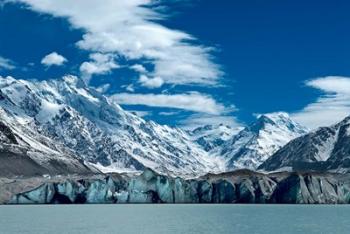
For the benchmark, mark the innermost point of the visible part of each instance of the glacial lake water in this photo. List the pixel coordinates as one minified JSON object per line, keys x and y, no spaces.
{"x":182,"y":219}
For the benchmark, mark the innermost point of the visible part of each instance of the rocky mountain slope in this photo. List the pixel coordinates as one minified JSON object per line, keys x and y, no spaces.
{"x":327,"y":148}
{"x":258,"y":141}
{"x":66,"y":115}
{"x":24,"y":152}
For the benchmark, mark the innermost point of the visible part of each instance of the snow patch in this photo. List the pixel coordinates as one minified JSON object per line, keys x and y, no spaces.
{"x":48,"y":111}
{"x":325,"y":149}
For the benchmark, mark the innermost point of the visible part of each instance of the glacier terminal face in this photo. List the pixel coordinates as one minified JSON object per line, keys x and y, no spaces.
{"x":236,"y":187}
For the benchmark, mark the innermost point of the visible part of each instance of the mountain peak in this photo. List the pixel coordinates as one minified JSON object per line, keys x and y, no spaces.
{"x":74,"y":81}
{"x":345,"y":121}
{"x":279,"y":114}
{"x":258,"y":141}
{"x":280,"y":120}
{"x":322,"y":149}
{"x":275,"y":117}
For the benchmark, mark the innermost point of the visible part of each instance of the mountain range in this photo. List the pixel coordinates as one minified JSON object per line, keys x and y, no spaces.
{"x":62,"y":126}
{"x":84,"y":123}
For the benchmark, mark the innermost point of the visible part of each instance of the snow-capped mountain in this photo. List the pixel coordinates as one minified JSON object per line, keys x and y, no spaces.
{"x":212,"y":136}
{"x":258,"y":141}
{"x":326,"y":148}
{"x":68,"y":114}
{"x":67,"y":122}
{"x":25,"y":152}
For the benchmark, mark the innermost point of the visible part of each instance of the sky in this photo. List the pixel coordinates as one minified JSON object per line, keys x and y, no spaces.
{"x":189,"y":62}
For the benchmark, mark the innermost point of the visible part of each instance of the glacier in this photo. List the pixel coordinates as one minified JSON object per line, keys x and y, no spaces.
{"x":149,"y":187}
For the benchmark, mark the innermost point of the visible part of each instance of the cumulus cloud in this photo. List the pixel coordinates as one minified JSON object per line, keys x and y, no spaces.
{"x":331,"y":107}
{"x":99,"y":64}
{"x":6,"y":64}
{"x":131,"y":29}
{"x":151,"y":83}
{"x":53,"y":59}
{"x":195,"y":102}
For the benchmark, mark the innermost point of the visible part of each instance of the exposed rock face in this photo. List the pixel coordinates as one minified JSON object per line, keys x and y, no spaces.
{"x":325,"y":149}
{"x":24,"y":161}
{"x":150,"y":187}
{"x":24,"y":152}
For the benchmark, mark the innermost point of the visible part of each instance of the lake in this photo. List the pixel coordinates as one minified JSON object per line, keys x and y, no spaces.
{"x":182,"y":219}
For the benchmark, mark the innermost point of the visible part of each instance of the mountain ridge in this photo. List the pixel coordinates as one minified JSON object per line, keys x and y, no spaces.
{"x":326,"y":148}
{"x":100,"y":131}
{"x":65,"y":116}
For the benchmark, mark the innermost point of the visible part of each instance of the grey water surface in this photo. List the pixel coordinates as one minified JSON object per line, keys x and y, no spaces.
{"x":182,"y":219}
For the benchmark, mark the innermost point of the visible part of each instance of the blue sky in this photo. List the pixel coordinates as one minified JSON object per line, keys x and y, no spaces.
{"x":190,"y":62}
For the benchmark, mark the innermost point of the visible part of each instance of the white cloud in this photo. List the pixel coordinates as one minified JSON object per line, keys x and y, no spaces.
{"x":331,"y":107}
{"x":128,"y":28}
{"x":169,"y":113}
{"x":53,"y":59}
{"x":191,"y":101}
{"x":202,"y":119}
{"x":151,"y":83}
{"x":129,"y":88}
{"x":6,"y":64}
{"x":99,"y":64}
{"x":139,"y":68}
